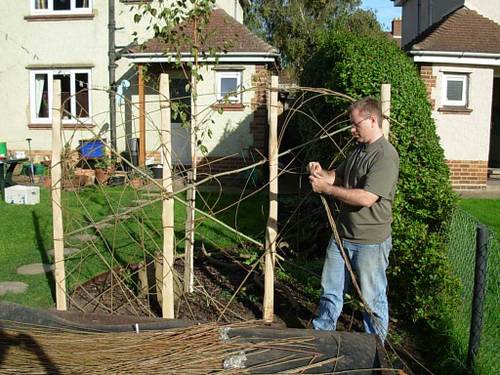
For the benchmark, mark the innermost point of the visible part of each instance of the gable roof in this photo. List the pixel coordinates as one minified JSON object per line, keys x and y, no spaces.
{"x":463,"y":30}
{"x":223,"y":31}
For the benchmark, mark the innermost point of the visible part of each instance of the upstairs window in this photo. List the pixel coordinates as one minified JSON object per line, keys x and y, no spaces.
{"x":229,"y":87}
{"x":455,"y":89}
{"x":61,"y":6}
{"x":74,"y":91}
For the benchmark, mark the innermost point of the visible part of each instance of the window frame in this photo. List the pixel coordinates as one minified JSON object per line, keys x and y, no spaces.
{"x":34,"y":119}
{"x":50,"y":8}
{"x":456,"y":76}
{"x":235,"y":99}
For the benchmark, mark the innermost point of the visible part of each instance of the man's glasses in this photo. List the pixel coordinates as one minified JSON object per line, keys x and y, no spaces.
{"x":356,"y":124}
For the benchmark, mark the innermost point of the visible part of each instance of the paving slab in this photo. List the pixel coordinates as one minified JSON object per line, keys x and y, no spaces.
{"x":123,"y":217}
{"x":492,"y":191}
{"x":83,"y":237}
{"x":35,"y":269}
{"x":67,"y":251}
{"x":140,"y":201}
{"x":12,"y":287}
{"x":103,"y":226}
{"x":150,"y":195}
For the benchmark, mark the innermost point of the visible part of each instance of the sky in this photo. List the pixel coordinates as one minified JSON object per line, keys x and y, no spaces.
{"x":385,"y":11}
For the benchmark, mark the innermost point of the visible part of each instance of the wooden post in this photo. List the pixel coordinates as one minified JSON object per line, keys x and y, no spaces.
{"x":189,"y":242}
{"x":142,"y":274}
{"x":168,"y":204}
{"x":272,"y":223}
{"x":142,"y":117}
{"x":57,"y":218}
{"x":385,"y":99}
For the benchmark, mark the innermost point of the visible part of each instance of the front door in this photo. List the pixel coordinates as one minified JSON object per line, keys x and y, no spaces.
{"x":494,"y":158}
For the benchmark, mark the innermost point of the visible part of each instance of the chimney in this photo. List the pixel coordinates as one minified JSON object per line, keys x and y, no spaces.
{"x":395,"y":33}
{"x":396,"y":28}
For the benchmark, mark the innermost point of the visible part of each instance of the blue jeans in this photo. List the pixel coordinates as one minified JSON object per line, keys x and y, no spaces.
{"x":369,"y":262}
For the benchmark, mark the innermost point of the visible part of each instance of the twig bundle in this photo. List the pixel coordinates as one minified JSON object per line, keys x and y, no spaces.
{"x":194,"y":350}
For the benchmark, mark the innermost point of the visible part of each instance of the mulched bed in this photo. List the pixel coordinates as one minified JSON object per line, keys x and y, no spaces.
{"x":217,"y":277}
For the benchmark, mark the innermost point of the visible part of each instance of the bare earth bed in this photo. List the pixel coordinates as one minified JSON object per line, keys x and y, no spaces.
{"x":216,"y":280}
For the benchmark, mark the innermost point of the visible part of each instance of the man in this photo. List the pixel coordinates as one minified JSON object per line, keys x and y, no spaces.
{"x":365,"y":185}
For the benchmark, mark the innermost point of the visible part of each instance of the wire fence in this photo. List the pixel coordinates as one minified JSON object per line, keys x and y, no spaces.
{"x":464,"y":238}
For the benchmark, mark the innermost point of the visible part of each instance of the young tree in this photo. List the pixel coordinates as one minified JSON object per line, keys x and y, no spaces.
{"x":181,"y":26}
{"x":292,"y":26}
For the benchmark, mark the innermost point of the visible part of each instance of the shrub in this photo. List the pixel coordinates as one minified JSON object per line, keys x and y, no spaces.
{"x":357,"y":66}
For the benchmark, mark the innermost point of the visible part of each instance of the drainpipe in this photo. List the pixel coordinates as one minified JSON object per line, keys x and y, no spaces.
{"x":112,"y":57}
{"x":419,"y":6}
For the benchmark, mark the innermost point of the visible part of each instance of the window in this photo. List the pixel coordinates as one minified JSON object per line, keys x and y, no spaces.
{"x":455,"y":89}
{"x":229,"y":86}
{"x":61,"y":6}
{"x":75,"y":94}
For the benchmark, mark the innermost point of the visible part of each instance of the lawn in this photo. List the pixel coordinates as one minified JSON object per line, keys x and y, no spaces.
{"x":487,"y":211}
{"x":461,"y":255}
{"x":26,"y":234}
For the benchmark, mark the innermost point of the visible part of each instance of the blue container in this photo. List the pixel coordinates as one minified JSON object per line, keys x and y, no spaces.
{"x":91,"y":148}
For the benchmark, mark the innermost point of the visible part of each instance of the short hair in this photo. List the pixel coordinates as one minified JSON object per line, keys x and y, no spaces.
{"x":368,"y":106}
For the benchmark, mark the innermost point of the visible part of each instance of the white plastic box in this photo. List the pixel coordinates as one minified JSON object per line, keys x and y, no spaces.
{"x":20,"y":194}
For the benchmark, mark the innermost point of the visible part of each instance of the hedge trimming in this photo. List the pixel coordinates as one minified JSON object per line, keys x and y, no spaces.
{"x":358,"y":65}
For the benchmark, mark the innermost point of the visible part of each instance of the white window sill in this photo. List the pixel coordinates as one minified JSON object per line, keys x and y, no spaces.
{"x":59,"y":17}
{"x":229,"y":107}
{"x":456,"y":110}
{"x":64,"y":126}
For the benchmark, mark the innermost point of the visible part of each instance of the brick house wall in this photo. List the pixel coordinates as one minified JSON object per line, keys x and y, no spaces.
{"x":258,"y":128}
{"x":429,"y":81}
{"x":468,"y":174}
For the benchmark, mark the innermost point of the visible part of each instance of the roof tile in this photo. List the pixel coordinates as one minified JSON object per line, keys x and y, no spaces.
{"x":223,"y":33}
{"x":463,"y":30}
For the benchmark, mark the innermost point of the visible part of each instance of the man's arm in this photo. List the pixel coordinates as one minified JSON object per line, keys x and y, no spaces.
{"x":353,"y":197}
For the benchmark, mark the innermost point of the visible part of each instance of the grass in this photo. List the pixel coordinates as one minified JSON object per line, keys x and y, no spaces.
{"x":461,"y":255}
{"x":487,"y":211}
{"x":26,"y":233}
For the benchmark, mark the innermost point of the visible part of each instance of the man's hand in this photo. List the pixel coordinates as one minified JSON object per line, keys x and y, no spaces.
{"x":315,"y":170}
{"x":319,"y":184}
{"x":323,"y":182}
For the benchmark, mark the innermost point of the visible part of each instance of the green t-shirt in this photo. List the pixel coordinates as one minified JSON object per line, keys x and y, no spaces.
{"x":372,"y":167}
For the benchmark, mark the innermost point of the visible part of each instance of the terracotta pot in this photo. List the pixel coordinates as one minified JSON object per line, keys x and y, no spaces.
{"x":72,"y":183}
{"x":101,"y":176}
{"x":47,"y":182}
{"x":135,"y":183}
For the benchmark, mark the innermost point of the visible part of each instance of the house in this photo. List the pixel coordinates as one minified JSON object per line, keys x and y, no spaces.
{"x":233,"y":87}
{"x":456,"y":45}
{"x":43,"y":40}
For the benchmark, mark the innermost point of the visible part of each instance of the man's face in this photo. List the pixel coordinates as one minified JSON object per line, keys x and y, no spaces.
{"x":362,"y":126}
